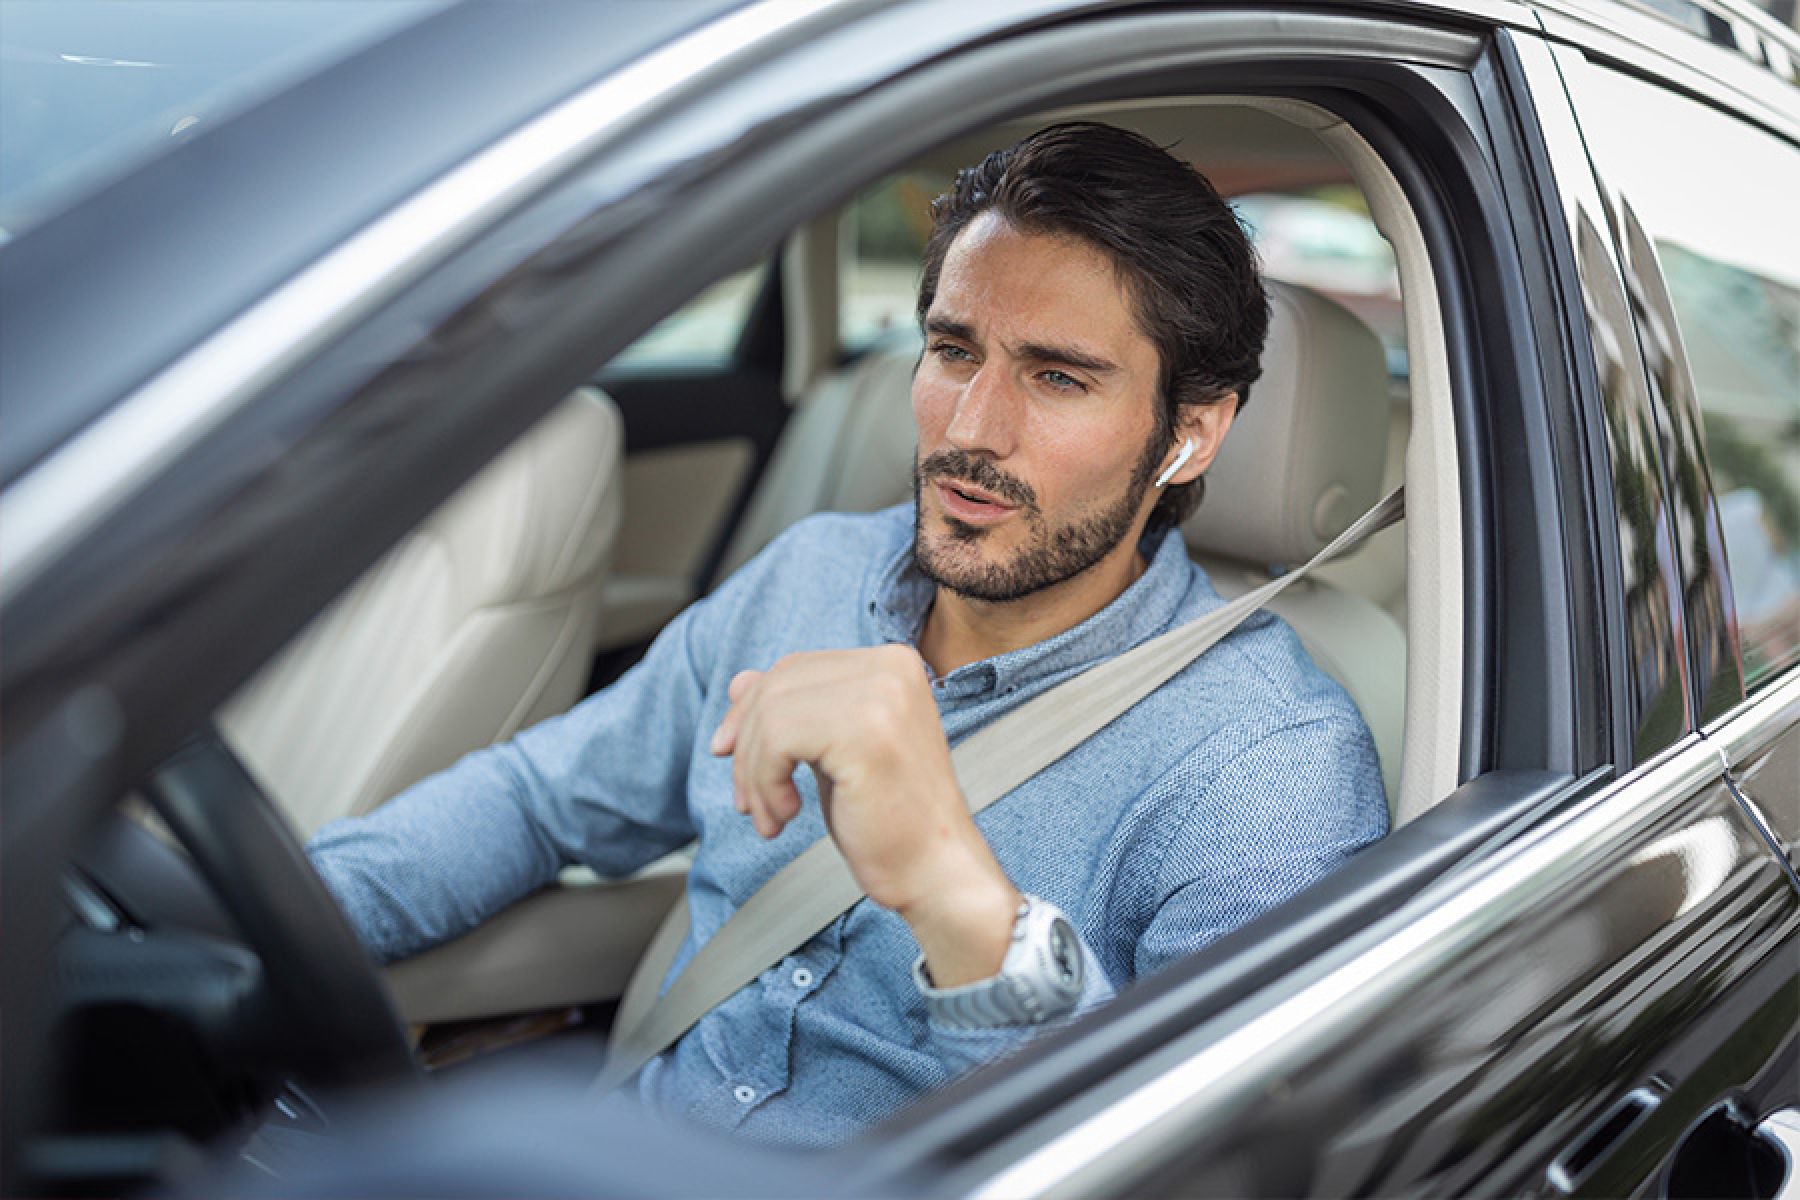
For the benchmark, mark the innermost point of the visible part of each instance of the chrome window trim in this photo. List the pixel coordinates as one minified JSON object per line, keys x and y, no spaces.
{"x":91,"y":475}
{"x":1755,"y":724}
{"x":1102,"y":1142}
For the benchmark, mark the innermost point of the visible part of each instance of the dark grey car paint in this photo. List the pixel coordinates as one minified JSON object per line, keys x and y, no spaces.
{"x":232,"y":220}
{"x":1624,"y":917}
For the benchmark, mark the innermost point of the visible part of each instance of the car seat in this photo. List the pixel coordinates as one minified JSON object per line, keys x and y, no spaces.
{"x":1304,"y":458}
{"x":1308,"y":453}
{"x":481,"y":621}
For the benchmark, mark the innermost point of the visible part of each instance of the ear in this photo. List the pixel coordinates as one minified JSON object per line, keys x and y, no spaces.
{"x":1207,"y":425}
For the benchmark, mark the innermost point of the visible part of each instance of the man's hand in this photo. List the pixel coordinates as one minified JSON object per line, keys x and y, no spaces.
{"x":864,"y":720}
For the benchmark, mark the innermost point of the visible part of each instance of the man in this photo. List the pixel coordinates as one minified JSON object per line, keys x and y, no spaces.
{"x":1093,"y":319}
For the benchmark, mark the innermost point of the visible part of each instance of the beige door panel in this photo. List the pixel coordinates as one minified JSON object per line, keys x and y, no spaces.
{"x":677,"y":501}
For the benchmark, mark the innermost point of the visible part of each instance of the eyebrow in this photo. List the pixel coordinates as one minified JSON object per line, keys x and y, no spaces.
{"x":949,"y":328}
{"x":1032,"y":351}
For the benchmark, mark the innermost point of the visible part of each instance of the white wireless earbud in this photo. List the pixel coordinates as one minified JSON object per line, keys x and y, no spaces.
{"x":1187,"y":452}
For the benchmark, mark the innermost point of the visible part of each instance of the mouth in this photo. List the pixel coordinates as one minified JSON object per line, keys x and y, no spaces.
{"x":971,"y":504}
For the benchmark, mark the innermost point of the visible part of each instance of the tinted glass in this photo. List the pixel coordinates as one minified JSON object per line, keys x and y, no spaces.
{"x":89,"y":87}
{"x":1717,"y":198}
{"x":1785,"y":11}
{"x":1324,"y":239}
{"x":703,"y":332}
{"x":883,"y":238}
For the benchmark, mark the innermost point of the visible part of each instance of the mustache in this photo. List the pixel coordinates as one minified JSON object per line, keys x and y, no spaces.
{"x":959,"y":466}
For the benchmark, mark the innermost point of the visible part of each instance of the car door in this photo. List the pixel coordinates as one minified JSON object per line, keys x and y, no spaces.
{"x":1584,"y":1003}
{"x":1715,"y":278}
{"x":1469,"y":1003}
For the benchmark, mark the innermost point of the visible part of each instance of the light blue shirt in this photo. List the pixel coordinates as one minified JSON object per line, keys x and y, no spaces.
{"x":1232,"y":787}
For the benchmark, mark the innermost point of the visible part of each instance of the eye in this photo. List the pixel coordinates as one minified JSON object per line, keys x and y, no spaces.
{"x":1062,"y":381}
{"x":951,"y":352}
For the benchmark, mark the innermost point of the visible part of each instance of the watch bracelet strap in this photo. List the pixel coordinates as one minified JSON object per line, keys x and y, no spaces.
{"x":987,"y":1003}
{"x":816,"y":886}
{"x":1006,"y":998}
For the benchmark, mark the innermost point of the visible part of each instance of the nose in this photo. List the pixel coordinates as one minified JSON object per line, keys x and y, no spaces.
{"x":986,"y":418}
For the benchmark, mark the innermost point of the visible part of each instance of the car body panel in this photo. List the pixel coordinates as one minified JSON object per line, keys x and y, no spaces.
{"x":1617,"y":923}
{"x":1585,"y":943}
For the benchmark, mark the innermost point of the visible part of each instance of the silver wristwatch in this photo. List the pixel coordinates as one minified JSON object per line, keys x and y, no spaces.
{"x":1039,"y":980}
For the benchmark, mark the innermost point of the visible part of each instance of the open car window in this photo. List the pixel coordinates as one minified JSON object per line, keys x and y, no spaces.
{"x":1353,"y":624}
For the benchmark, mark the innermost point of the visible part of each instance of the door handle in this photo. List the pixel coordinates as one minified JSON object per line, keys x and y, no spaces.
{"x":1575,"y":1164}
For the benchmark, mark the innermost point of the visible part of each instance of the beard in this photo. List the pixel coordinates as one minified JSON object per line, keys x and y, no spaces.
{"x":1052,"y":553}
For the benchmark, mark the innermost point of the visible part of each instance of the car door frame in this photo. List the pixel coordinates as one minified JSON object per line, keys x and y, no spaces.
{"x":1108,"y":1141}
{"x":223,"y":569}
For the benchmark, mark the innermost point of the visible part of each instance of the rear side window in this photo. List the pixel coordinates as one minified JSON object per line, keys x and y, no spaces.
{"x":881,"y":239}
{"x":1716,"y":196}
{"x":1324,"y":239}
{"x":703,"y":333}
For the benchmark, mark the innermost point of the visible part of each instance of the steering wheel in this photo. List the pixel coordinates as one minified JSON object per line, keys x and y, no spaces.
{"x":345,"y":1028}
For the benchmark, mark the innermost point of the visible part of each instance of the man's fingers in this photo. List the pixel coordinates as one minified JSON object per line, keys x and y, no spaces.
{"x":767,"y":793}
{"x":724,"y":738}
{"x":771,"y":806}
{"x":778,"y":720}
{"x":762,"y":776}
{"x":772,"y":809}
{"x":741,"y":683}
{"x":784,"y":801}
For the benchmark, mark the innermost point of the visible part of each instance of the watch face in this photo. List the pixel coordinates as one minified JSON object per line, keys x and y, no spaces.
{"x":1063,"y":952}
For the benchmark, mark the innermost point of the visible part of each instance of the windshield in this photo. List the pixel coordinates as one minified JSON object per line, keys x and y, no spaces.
{"x":89,"y":88}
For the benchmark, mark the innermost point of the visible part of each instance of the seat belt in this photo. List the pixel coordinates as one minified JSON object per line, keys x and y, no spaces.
{"x":816,"y":887}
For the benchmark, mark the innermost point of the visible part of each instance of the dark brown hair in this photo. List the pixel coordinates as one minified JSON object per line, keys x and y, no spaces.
{"x":1186,"y":260}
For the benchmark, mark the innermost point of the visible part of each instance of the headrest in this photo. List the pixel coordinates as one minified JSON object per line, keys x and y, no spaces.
{"x":542,"y":515}
{"x":1304,"y":457}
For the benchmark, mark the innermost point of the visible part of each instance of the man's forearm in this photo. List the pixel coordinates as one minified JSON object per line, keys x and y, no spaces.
{"x":435,"y":861}
{"x":964,"y":922}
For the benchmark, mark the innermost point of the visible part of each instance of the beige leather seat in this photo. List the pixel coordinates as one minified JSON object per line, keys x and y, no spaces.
{"x":480,"y":622}
{"x":1304,"y":458}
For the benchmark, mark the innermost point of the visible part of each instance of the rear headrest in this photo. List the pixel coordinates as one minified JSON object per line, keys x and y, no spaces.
{"x":1304,"y":458}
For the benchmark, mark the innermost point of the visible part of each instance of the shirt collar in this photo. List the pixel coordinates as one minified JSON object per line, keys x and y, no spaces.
{"x":901,"y":597}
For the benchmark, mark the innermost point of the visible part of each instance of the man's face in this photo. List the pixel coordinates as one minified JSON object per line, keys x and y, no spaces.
{"x":1035,"y":408}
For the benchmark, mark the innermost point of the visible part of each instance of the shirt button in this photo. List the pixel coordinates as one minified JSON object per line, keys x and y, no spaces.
{"x":802,"y":977}
{"x":744,"y":1093}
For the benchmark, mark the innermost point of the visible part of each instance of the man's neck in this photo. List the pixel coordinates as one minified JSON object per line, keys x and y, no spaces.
{"x":959,"y":630}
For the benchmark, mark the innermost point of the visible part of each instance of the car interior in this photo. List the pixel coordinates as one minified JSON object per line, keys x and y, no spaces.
{"x":551,"y":570}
